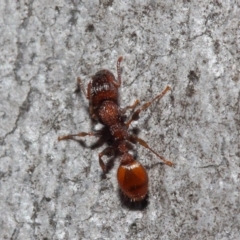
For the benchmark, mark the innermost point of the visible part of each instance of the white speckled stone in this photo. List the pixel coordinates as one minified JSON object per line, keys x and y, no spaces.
{"x":55,"y":190}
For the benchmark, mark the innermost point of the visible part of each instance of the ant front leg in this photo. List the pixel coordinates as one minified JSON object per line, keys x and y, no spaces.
{"x":130,"y":107}
{"x":134,"y":139}
{"x":106,"y":151}
{"x":135,"y":115}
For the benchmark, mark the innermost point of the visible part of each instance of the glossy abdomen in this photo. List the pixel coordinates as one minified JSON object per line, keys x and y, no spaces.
{"x":133,"y":180}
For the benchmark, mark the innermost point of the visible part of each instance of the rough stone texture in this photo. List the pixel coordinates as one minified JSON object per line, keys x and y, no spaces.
{"x":55,"y":190}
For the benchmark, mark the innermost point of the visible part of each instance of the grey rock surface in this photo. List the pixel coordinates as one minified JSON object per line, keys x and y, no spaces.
{"x":56,"y":190}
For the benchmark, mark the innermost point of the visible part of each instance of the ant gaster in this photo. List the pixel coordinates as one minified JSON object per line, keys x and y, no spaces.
{"x":102,"y":94}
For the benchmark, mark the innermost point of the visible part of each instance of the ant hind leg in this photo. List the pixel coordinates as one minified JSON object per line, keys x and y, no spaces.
{"x":106,"y":151}
{"x":135,"y":139}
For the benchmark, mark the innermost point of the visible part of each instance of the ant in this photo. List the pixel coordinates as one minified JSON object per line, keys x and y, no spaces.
{"x":102,"y":94}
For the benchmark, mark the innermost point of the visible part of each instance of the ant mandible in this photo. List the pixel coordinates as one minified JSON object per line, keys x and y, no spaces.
{"x":102,"y":94}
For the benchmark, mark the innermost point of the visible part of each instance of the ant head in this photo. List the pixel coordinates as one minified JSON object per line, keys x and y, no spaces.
{"x":103,"y":76}
{"x":103,"y":87}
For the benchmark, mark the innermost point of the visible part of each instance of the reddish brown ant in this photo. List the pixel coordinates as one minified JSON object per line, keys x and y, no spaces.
{"x":102,"y":93}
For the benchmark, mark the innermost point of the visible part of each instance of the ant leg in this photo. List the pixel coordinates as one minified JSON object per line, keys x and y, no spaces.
{"x":106,"y":151}
{"x":135,"y":115}
{"x":135,"y":139}
{"x":81,"y":134}
{"x":80,"y":86}
{"x":131,"y":106}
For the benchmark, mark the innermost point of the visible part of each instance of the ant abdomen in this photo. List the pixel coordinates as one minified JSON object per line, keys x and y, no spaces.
{"x":132,"y":178}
